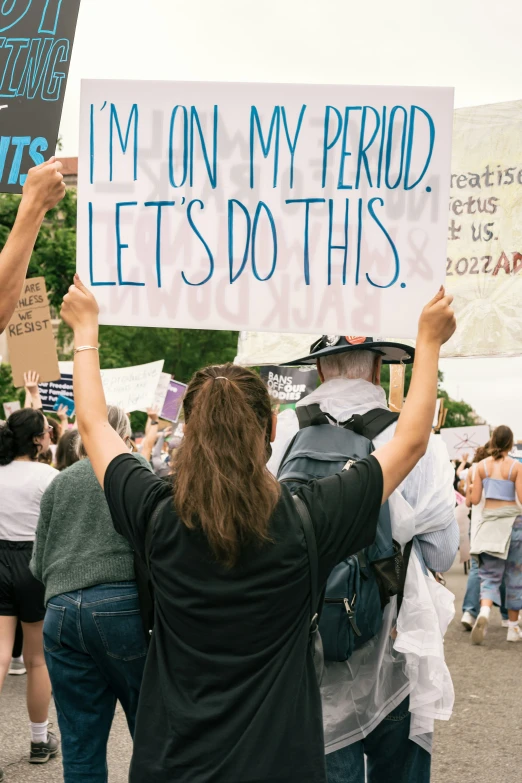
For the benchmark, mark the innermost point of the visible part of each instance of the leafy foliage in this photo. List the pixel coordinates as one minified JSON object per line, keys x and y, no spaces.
{"x":8,"y":392}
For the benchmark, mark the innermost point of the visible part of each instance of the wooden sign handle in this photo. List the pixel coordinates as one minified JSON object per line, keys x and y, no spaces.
{"x":397,"y":378}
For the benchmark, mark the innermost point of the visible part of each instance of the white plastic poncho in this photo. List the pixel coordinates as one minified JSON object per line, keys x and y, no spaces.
{"x":359,"y":693}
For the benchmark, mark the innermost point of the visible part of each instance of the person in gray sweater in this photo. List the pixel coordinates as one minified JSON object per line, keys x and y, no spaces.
{"x":95,"y":645}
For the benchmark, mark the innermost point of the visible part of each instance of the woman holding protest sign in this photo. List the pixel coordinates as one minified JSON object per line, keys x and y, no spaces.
{"x":23,"y":480}
{"x":230,"y":691}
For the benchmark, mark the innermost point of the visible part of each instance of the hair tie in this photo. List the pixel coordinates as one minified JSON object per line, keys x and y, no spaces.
{"x":221,"y":378}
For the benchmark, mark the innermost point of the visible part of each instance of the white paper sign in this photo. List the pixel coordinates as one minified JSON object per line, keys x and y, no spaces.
{"x":270,"y":207}
{"x":132,"y":388}
{"x":465,"y":440}
{"x":161,"y":392}
{"x":11,"y":407}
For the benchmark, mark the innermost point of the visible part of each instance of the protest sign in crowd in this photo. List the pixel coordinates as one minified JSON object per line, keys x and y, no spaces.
{"x":257,"y":575}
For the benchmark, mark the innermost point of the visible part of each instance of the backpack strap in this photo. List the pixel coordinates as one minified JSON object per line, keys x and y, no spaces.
{"x":311,"y":415}
{"x":311,"y":546}
{"x":151,"y":527}
{"x":372,"y":423}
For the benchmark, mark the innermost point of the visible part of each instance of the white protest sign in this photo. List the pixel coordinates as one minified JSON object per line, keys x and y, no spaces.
{"x":161,"y":392}
{"x":484,"y":269}
{"x":271,"y":207}
{"x":11,"y":407}
{"x":132,"y":388}
{"x":465,"y":440}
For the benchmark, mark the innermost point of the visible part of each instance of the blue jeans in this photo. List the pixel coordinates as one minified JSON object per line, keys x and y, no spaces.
{"x":471,"y":601}
{"x":95,"y":651}
{"x":390,"y":755}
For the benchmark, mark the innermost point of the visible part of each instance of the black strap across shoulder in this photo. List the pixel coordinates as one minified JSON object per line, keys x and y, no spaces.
{"x":370,"y":425}
{"x":310,"y":416}
{"x":311,"y":545}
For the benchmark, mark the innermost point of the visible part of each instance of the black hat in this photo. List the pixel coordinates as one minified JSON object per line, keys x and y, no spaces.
{"x":330,"y":344}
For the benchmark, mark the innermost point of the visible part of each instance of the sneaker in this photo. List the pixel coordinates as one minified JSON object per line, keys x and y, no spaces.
{"x":480,"y":629}
{"x":514,"y":634}
{"x":468,"y":621}
{"x":43,"y":751}
{"x":505,"y":623}
{"x":16,"y":667}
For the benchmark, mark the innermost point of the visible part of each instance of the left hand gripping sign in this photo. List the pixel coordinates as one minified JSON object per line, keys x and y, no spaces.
{"x":269,"y":207}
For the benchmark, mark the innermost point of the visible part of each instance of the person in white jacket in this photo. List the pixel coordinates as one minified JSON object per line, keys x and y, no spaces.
{"x":379,"y":706}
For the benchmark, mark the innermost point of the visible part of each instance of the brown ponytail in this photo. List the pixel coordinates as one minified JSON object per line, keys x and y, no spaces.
{"x":501,"y":441}
{"x":221,"y":480}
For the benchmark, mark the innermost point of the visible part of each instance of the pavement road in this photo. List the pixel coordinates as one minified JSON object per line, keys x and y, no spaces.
{"x":481,"y":742}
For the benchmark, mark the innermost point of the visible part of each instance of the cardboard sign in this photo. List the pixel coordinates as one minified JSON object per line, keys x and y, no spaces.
{"x":277,"y":207}
{"x":173,"y":401}
{"x":484,"y":264}
{"x":66,"y":402}
{"x":11,"y":407}
{"x":36,"y":40}
{"x":288,"y":385}
{"x":49,"y":392}
{"x":465,"y":440}
{"x":132,"y":388}
{"x":30,"y":338}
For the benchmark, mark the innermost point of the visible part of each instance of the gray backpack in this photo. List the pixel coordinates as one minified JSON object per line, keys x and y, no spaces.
{"x":359,"y":588}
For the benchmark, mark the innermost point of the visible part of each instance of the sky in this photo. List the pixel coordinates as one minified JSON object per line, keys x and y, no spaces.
{"x":407,"y":42}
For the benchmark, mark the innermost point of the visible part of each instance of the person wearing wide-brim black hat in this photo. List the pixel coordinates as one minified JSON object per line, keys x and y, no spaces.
{"x":366,"y":705}
{"x":330,"y":345}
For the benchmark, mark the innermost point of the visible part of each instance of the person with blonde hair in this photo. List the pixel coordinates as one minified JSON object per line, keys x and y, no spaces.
{"x":497,"y":541}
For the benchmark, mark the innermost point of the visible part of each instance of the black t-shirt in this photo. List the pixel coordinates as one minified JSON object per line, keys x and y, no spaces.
{"x":229,"y":693}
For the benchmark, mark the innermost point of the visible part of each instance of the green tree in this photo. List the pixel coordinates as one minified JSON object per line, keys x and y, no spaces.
{"x":8,"y":392}
{"x":460,"y":414}
{"x":184,"y":350}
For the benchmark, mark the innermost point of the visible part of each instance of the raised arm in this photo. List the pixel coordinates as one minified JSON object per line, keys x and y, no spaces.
{"x":43,"y":189}
{"x":518,"y":481}
{"x":102,"y":443}
{"x":409,"y":444}
{"x":477,"y":487}
{"x":31,"y":381}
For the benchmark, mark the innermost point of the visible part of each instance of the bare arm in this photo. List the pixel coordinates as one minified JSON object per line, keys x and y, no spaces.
{"x":43,"y":189}
{"x":409,"y":444}
{"x":149,"y":441}
{"x":31,"y":381}
{"x":463,"y":464}
{"x":518,"y":481}
{"x":476,"y":489}
{"x":102,"y":443}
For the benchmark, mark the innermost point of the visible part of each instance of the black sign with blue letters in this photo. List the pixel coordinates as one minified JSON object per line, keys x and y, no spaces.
{"x":36,"y":41}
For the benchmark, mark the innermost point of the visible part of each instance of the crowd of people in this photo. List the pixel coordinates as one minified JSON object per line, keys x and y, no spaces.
{"x":265,"y":606}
